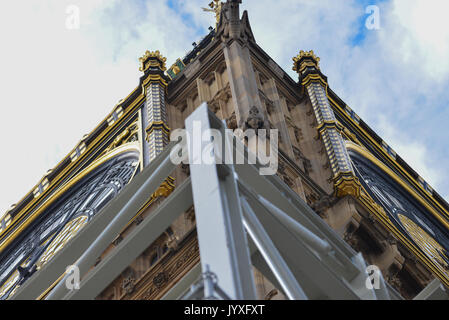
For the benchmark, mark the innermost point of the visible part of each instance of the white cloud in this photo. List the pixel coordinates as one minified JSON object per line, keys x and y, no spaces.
{"x":415,"y":152}
{"x":58,"y":84}
{"x":425,"y":41}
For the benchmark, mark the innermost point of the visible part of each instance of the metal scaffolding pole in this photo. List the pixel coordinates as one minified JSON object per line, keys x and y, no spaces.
{"x":221,"y":235}
{"x":308,"y":236}
{"x":435,"y":290}
{"x":271,"y":255}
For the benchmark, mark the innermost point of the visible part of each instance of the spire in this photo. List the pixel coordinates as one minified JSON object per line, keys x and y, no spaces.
{"x":307,"y":65}
{"x":154,"y":113}
{"x":234,"y":17}
{"x":230,"y":25}
{"x":155,"y":82}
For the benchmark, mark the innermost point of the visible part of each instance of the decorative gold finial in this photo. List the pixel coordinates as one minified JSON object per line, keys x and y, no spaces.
{"x":215,"y":6}
{"x":152,"y":59}
{"x":305,"y":59}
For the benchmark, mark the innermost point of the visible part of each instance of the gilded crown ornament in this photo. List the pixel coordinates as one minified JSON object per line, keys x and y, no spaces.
{"x":152,"y":59}
{"x":304,"y":59}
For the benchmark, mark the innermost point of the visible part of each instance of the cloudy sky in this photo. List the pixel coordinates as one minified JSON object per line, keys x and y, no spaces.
{"x":58,"y":82}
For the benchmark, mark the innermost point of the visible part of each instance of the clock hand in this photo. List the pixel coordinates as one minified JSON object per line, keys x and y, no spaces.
{"x":17,"y":282}
{"x":368,"y":183}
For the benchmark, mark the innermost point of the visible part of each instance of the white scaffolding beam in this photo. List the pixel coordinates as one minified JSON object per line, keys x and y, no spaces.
{"x":221,"y":235}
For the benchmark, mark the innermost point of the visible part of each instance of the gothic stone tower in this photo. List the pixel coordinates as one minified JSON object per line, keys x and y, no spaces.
{"x":342,"y":169}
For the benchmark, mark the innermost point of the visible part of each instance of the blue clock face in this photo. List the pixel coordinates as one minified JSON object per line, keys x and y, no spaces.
{"x":62,"y":220}
{"x":405,"y":212}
